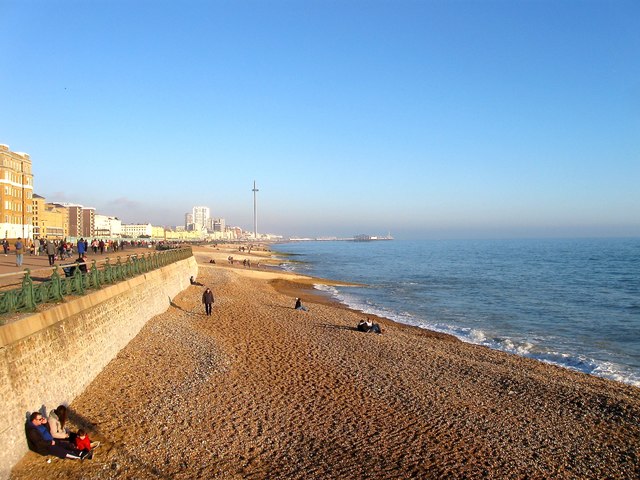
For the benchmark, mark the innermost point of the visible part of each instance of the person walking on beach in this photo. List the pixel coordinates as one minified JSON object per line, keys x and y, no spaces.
{"x":207,"y":299}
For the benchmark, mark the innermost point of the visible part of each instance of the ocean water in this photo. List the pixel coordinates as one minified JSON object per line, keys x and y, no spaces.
{"x":574,"y":303}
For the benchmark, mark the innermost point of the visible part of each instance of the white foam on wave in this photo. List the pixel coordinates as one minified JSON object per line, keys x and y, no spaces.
{"x":360,"y":304}
{"x":522,"y":347}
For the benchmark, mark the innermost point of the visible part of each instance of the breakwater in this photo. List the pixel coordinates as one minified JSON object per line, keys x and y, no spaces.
{"x":48,"y":358}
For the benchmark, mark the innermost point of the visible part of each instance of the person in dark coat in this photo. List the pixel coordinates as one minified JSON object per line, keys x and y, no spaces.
{"x":207,"y":299}
{"x":51,"y":252}
{"x":300,"y":306}
{"x":40,"y":440}
{"x":368,"y":327}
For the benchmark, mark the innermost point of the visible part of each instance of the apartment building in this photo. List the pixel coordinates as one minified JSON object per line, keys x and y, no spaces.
{"x":135,"y":230}
{"x":50,"y":220}
{"x":16,"y":194}
{"x":201,"y":217}
{"x":75,"y":219}
{"x":106,"y":226}
{"x":88,"y":221}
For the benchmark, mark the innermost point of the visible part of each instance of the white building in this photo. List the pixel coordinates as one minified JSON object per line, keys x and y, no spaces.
{"x":135,"y":230}
{"x":106,"y":226}
{"x":201,"y":217}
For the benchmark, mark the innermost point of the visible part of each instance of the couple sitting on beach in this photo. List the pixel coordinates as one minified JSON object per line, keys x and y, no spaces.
{"x":368,"y":327}
{"x":50,"y":437}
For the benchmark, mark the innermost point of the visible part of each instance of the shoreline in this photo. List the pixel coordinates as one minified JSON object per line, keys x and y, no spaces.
{"x":263,"y":391}
{"x":596,"y":367}
{"x":298,"y":285}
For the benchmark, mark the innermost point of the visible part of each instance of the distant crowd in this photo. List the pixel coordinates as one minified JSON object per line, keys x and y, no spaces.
{"x":64,"y":250}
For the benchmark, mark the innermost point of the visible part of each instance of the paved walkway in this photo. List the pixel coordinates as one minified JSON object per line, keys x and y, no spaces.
{"x":11,"y":275}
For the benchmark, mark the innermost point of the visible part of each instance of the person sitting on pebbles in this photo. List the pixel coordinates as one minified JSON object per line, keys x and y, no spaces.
{"x":368,"y":327}
{"x":299,"y":306}
{"x":84,"y":445}
{"x":39,"y":439}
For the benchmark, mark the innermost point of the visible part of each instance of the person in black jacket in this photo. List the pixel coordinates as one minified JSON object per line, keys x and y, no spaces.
{"x":207,"y":299}
{"x":40,"y":440}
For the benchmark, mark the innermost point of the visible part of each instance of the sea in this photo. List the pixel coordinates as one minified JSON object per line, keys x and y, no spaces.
{"x":569,"y":302}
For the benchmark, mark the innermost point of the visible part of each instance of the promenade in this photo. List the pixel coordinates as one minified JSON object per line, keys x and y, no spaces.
{"x":11,"y":275}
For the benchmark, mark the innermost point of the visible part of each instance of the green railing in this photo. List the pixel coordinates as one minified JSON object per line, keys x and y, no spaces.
{"x":26,"y":298}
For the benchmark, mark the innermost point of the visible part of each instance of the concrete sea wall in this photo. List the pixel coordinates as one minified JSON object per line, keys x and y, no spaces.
{"x":50,"y":357}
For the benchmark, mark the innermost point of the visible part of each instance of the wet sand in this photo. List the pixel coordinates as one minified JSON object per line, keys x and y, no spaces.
{"x":262,"y":391}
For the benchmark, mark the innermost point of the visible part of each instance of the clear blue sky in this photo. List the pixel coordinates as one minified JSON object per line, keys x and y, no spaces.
{"x":422,"y":118}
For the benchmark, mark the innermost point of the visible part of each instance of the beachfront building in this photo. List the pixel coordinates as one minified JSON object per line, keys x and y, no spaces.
{"x":55,"y":222}
{"x":201,"y":217}
{"x":50,"y":220}
{"x":37,"y":206}
{"x":75,"y":218}
{"x":157,"y":233}
{"x":106,"y":226}
{"x":135,"y":230}
{"x":88,"y":221}
{"x":188,"y":221}
{"x":237,"y":232}
{"x":217,"y":225}
{"x":182,"y":235}
{"x":81,"y":219}
{"x":16,"y":194}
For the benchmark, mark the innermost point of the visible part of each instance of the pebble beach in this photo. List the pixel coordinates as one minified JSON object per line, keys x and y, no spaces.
{"x":262,"y":391}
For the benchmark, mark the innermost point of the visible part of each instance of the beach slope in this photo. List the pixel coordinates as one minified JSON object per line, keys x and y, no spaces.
{"x":262,"y":391}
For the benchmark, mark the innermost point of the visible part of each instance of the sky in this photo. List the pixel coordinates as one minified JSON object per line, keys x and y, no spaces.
{"x":423,"y":119}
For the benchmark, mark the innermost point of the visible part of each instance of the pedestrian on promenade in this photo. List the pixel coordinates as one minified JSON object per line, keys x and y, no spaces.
{"x":36,"y":247}
{"x":207,"y":299}
{"x":19,"y":251}
{"x":51,"y":252}
{"x":5,"y":246}
{"x":81,"y":247}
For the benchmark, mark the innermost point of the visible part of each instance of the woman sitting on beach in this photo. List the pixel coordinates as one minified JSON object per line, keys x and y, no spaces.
{"x":57,"y":419}
{"x":299,"y":305}
{"x":368,"y":327}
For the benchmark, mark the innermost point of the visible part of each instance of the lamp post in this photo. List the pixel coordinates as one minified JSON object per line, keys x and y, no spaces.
{"x":255,"y":214}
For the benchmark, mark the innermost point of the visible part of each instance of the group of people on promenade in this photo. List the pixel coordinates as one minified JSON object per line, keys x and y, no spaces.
{"x":59,"y":250}
{"x":49,"y":436}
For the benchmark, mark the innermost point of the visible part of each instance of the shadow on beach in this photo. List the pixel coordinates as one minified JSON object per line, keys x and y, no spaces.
{"x":338,"y":327}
